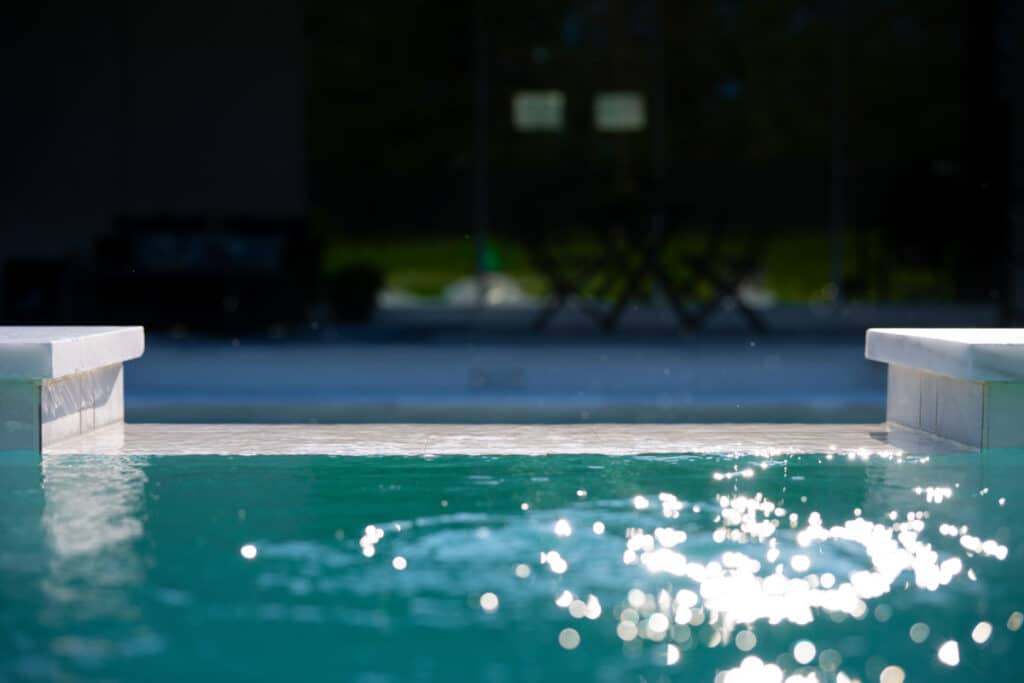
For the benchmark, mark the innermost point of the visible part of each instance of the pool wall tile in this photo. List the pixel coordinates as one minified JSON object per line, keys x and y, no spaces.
{"x":930,"y":402}
{"x":903,"y":404}
{"x":950,"y":408}
{"x":80,"y":403}
{"x":1004,"y":415}
{"x":959,"y":409}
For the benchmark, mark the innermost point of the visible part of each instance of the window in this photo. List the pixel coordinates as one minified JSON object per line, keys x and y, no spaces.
{"x":538,"y":110}
{"x":620,"y":112}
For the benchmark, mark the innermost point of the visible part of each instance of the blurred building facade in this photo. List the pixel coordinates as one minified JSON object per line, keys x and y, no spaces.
{"x":114,"y":108}
{"x":890,"y":132}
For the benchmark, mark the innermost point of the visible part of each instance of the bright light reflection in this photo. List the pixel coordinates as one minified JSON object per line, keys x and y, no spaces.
{"x":949,"y":653}
{"x":555,"y":562}
{"x":800,"y":563}
{"x":489,"y":602}
{"x":745,"y":641}
{"x":569,"y":638}
{"x":753,"y":670}
{"x":733,"y":590}
{"x":248,"y":551}
{"x":892,"y":674}
{"x":1015,"y":621}
{"x":657,"y":623}
{"x":804,"y":652}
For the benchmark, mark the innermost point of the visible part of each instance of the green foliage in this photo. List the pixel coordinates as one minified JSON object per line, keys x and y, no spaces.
{"x":795,"y":267}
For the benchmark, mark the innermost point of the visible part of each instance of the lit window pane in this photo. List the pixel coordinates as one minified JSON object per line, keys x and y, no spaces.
{"x":538,"y":110}
{"x":620,"y":112}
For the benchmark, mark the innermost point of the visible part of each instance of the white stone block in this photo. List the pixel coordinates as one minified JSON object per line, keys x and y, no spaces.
{"x":959,"y":411}
{"x":1004,"y":413}
{"x":903,"y":398}
{"x":966,"y":385}
{"x":58,"y":382}
{"x":980,"y":354}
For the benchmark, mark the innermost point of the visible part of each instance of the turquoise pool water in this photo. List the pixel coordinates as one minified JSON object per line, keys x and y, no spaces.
{"x":373,"y":569}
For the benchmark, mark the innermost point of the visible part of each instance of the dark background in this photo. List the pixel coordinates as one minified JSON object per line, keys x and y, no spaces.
{"x":261,"y":167}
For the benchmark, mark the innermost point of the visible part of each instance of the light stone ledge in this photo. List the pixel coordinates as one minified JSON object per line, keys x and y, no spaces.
{"x":61,"y":382}
{"x":964,"y":385}
{"x":368,"y":439}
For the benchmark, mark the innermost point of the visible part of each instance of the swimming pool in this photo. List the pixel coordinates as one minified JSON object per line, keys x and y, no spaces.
{"x":704,"y":567}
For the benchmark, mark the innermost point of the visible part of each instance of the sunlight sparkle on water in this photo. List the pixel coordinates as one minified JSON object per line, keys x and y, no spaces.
{"x":774,"y":579}
{"x":555,"y":562}
{"x":892,"y":674}
{"x":1015,"y":621}
{"x":489,"y":602}
{"x":745,"y":641}
{"x":949,"y":653}
{"x":919,"y":632}
{"x":804,"y":652}
{"x":569,"y":638}
{"x":626,"y":630}
{"x":752,"y":670}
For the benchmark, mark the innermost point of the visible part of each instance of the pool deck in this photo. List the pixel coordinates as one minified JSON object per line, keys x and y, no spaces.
{"x":503,"y":439}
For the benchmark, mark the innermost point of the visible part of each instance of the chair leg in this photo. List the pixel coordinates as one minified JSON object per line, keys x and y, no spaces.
{"x":553,"y":305}
{"x":686,"y":320}
{"x":611,"y":319}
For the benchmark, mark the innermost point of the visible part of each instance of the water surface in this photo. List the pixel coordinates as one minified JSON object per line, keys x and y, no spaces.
{"x":511,"y":568}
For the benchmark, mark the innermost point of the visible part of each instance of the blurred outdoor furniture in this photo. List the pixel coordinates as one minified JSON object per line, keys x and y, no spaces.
{"x":633,"y":234}
{"x":547,"y":220}
{"x":221,"y":275}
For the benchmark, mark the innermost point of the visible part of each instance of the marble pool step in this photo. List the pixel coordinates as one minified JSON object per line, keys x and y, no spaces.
{"x":59,"y":382}
{"x":961,"y":384}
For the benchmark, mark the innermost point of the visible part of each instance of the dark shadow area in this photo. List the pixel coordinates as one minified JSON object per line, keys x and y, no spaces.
{"x":651,"y":167}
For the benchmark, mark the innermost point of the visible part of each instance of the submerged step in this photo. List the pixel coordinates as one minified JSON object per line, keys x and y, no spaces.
{"x":961,"y":384}
{"x":59,"y":382}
